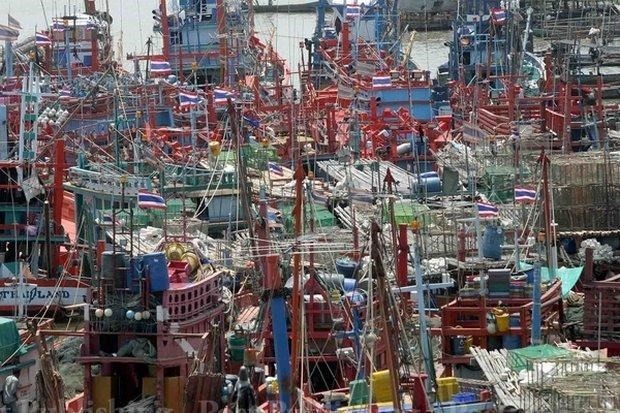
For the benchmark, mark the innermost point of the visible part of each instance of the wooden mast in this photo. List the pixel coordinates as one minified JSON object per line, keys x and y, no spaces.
{"x":297,"y":214}
{"x":550,"y":239}
{"x":389,"y":328}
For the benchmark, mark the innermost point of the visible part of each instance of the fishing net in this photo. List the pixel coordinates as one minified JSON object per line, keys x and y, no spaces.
{"x":71,"y":372}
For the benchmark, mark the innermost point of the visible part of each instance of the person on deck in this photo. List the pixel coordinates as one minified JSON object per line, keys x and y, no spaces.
{"x":9,"y":392}
{"x":243,"y":397}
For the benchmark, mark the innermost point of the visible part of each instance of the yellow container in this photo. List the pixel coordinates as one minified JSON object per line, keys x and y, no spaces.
{"x":502,"y":321}
{"x":215,"y":148}
{"x":103,"y":388}
{"x":173,"y":394}
{"x":382,"y":386}
{"x":149,"y":386}
{"x":447,"y":387}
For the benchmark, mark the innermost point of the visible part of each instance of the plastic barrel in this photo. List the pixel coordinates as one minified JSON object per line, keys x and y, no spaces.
{"x":347,"y":267}
{"x":510,"y":342}
{"x":494,"y":342}
{"x":569,"y":245}
{"x":458,"y":345}
{"x":332,"y":281}
{"x":349,"y":285}
{"x":492,"y":242}
{"x":431,"y":184}
{"x":356,"y":297}
{"x":156,"y":267}
{"x":134,"y":273}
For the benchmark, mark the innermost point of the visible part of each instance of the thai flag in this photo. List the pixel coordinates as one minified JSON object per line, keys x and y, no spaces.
{"x":8,"y":33}
{"x":381,"y":81}
{"x":499,"y":15}
{"x":150,"y":200}
{"x":525,"y":195}
{"x":43,"y":40}
{"x":188,"y":99}
{"x":487,"y":210}
{"x":14,"y":23}
{"x":221,"y":96}
{"x":352,"y":11}
{"x":58,"y":26}
{"x":160,"y":66}
{"x":275,"y":168}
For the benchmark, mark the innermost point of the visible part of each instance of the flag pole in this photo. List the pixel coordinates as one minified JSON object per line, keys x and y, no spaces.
{"x":8,"y":51}
{"x":8,"y":58}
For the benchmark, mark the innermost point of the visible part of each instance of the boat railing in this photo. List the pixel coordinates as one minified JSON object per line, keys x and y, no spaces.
{"x":320,"y":313}
{"x":107,"y":181}
{"x":196,"y":177}
{"x":186,"y":302}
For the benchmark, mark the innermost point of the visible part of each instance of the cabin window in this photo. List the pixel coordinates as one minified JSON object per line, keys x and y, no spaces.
{"x":176,"y":37}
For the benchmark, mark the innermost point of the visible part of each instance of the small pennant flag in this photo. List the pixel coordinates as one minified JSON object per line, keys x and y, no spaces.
{"x":275,"y":168}
{"x":381,"y":81}
{"x":525,"y":195}
{"x":160,"y":67}
{"x":498,"y":16}
{"x":14,"y":23}
{"x":43,"y":40}
{"x":221,"y":96}
{"x":150,"y":200}
{"x":188,"y":99}
{"x":487,"y":210}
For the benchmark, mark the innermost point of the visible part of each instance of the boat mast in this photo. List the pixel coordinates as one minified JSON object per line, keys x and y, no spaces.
{"x":550,"y":237}
{"x":424,"y":339}
{"x":389,"y":331}
{"x":245,"y":195}
{"x":165,"y":31}
{"x":297,"y":293}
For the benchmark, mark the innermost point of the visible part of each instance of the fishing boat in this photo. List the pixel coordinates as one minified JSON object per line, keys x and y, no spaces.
{"x":288,"y":7}
{"x":75,"y":44}
{"x":21,"y":349}
{"x":39,"y":262}
{"x":356,"y":80}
